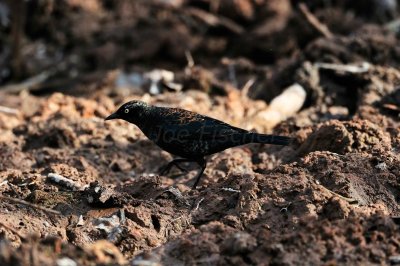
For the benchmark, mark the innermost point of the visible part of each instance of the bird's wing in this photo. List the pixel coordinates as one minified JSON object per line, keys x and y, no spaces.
{"x":193,"y":126}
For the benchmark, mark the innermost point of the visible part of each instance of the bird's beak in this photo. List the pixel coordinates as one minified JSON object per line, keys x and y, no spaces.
{"x":112,"y":116}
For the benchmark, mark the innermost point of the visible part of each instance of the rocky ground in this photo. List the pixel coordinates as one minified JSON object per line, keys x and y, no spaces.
{"x":76,"y":190}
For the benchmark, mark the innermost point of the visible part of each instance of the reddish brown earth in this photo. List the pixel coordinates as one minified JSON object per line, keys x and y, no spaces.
{"x":330,"y":198}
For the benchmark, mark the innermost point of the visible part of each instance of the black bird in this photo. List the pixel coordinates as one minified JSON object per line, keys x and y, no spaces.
{"x":187,"y":134}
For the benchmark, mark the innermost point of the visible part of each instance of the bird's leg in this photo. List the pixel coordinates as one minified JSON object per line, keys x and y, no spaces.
{"x":180,"y":167}
{"x":203,"y":164}
{"x":165,"y":170}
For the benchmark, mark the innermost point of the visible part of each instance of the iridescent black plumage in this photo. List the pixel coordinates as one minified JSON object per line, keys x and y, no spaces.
{"x":187,"y":134}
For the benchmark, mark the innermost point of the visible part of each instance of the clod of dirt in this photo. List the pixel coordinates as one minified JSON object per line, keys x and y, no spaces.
{"x":335,"y":209}
{"x":102,"y":196}
{"x":58,"y":134}
{"x":368,"y":44}
{"x":13,"y":158}
{"x":105,"y":253}
{"x":391,"y":103}
{"x":238,"y":243}
{"x":356,"y":176}
{"x":344,"y":137}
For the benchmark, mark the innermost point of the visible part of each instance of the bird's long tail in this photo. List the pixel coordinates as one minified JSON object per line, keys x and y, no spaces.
{"x":268,"y":139}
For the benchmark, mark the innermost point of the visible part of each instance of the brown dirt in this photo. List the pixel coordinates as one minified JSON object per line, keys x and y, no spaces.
{"x":330,"y":198}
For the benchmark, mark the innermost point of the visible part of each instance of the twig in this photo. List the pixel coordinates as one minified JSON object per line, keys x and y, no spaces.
{"x":178,"y":195}
{"x":19,"y":201}
{"x":314,"y":21}
{"x":355,"y":69}
{"x":177,"y":218}
{"x":13,"y":230}
{"x":122,"y":216}
{"x":246,"y":88}
{"x":232,"y":75}
{"x":8,"y":110}
{"x":189,"y":59}
{"x":230,"y":189}
{"x":29,"y":84}
{"x":198,"y":204}
{"x":285,"y":209}
{"x":63,"y":181}
{"x":349,"y":200}
{"x":214,"y":21}
{"x":34,"y":83}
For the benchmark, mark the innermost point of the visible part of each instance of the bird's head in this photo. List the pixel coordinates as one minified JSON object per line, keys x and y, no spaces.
{"x":130,"y":111}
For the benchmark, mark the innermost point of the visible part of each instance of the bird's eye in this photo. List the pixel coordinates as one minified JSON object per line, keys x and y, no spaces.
{"x":126,"y":111}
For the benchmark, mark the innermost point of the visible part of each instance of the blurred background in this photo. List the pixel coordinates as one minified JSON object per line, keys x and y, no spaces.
{"x":63,"y":45}
{"x":324,"y":72}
